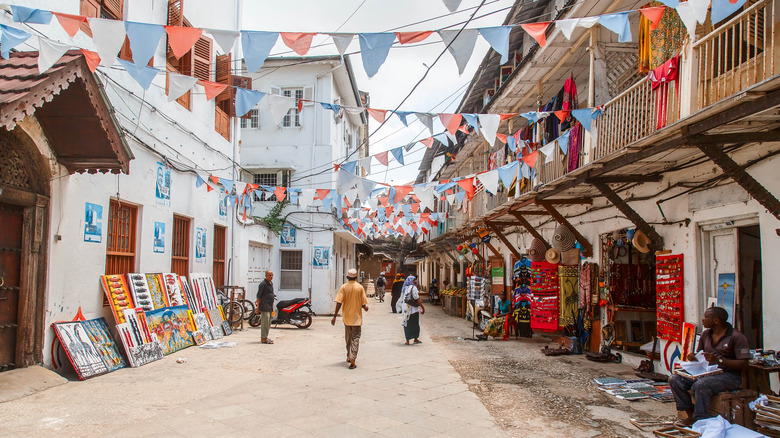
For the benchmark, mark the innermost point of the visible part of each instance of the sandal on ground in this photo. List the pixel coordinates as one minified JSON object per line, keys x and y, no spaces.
{"x":417,"y":341}
{"x":267,"y":341}
{"x":352,"y":365}
{"x":407,"y":342}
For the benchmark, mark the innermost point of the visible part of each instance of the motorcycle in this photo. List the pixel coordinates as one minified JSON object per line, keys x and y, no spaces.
{"x":296,"y":312}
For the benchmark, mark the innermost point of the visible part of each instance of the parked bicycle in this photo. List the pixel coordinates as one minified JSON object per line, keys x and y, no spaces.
{"x":236,"y":310}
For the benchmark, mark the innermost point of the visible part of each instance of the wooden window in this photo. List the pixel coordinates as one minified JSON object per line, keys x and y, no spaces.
{"x":111,"y":9}
{"x":292,"y":270}
{"x":218,"y":273}
{"x":180,"y":258}
{"x":120,"y":239}
{"x":196,"y":62}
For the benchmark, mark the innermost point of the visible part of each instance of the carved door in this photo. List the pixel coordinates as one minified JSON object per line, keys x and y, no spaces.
{"x":12,"y":219}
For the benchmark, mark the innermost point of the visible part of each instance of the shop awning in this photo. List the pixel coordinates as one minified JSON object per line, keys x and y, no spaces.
{"x":70,"y":107}
{"x":348,"y":236}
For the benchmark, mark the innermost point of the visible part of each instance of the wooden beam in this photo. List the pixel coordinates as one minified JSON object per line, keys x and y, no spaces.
{"x":733,"y":114}
{"x":737,"y":137}
{"x":630,"y":213}
{"x":501,"y":223}
{"x":527,"y":225}
{"x":744,"y":179}
{"x":493,"y":249}
{"x":503,"y":239}
{"x":533,"y":213}
{"x":625,"y":179}
{"x":444,"y":250}
{"x":587,"y":249}
{"x":568,"y":201}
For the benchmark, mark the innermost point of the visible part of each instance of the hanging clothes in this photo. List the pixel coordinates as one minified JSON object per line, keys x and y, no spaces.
{"x":660,"y":78}
{"x":575,"y":145}
{"x":659,"y":44}
{"x":569,"y":295}
{"x":569,"y":98}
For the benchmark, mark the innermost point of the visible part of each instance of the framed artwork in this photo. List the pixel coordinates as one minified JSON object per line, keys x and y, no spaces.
{"x":198,"y":337}
{"x":172,"y":326}
{"x":688,"y":339}
{"x":159,"y":237}
{"x":202,"y":324}
{"x":138,"y":352}
{"x":200,"y":245}
{"x":226,"y":328}
{"x":104,"y":344}
{"x":726,"y":299}
{"x":173,"y":290}
{"x":216,"y":332}
{"x":139,"y":290}
{"x":93,"y":222}
{"x":81,"y":352}
{"x":117,"y":294}
{"x":157,"y":291}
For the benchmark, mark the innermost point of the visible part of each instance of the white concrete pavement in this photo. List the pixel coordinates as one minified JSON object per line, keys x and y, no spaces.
{"x":300,"y":386}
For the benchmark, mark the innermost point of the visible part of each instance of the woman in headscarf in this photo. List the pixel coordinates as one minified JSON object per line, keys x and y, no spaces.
{"x":411,"y":307}
{"x":396,"y":291}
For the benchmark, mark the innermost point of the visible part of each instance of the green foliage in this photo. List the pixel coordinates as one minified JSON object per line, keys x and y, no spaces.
{"x":272,"y":220}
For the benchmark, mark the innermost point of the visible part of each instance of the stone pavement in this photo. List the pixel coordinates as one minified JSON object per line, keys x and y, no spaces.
{"x":299,"y":386}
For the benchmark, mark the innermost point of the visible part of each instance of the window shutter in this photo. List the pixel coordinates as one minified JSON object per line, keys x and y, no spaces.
{"x":201,"y":58}
{"x":175,"y":18}
{"x":308,"y":96}
{"x":243,"y":82}
{"x":115,"y":8}
{"x":223,"y":75}
{"x":89,"y":8}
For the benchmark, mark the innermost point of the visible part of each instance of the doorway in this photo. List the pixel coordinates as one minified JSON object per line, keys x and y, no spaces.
{"x":12,"y":218}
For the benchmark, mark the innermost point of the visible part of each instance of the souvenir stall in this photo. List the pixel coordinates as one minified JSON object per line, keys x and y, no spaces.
{"x":154,"y":314}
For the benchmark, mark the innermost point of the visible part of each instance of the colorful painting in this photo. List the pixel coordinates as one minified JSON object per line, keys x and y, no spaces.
{"x":117,"y":294}
{"x":200,"y":245}
{"x":203,"y":291}
{"x":198,"y":337}
{"x":139,"y":289}
{"x":82,"y":353}
{"x":726,"y":284}
{"x":159,"y":237}
{"x":288,"y":236}
{"x":173,"y":290}
{"x":162,"y":189}
{"x":688,"y":339}
{"x":192,"y":301}
{"x":202,"y":324}
{"x":216,"y":332}
{"x":104,"y":344}
{"x":172,"y":326}
{"x":138,"y":351}
{"x":93,"y":222}
{"x":157,"y":290}
{"x":215,"y":317}
{"x":321,"y":258}
{"x":226,"y":328}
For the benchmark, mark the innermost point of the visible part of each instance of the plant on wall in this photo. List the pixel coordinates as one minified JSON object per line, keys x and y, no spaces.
{"x":272,"y":220}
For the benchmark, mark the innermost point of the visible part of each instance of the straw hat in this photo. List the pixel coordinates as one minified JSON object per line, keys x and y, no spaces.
{"x":553,"y":256}
{"x":536,"y":250}
{"x":570,"y":257}
{"x":563,"y":239}
{"x":641,"y":242}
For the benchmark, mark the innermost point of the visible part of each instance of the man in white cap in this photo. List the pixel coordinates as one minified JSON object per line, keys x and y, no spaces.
{"x":352,"y":297}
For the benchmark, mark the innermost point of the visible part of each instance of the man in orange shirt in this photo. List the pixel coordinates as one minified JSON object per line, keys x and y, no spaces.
{"x":352,"y":297}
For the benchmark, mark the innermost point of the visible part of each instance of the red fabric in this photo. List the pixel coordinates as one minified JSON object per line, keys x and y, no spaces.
{"x":569,"y":94}
{"x":537,"y":30}
{"x":213,"y":89}
{"x":299,"y":42}
{"x":653,"y":14}
{"x":451,"y":122}
{"x":70,"y":23}
{"x":322,"y":193}
{"x":181,"y":39}
{"x":561,"y":114}
{"x":508,"y":116}
{"x":530,"y":159}
{"x":660,"y":78}
{"x":92,"y":58}
{"x":468,"y":186}
{"x":378,"y":115}
{"x":412,"y":37}
{"x":401,"y":192}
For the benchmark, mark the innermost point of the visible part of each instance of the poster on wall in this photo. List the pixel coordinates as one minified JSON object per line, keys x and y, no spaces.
{"x":159,"y":237}
{"x":726,"y":293}
{"x":162,"y":189}
{"x":498,"y":275}
{"x":223,"y":206}
{"x":321,"y":257}
{"x":200,"y":245}
{"x":93,"y":222}
{"x":287,"y":238}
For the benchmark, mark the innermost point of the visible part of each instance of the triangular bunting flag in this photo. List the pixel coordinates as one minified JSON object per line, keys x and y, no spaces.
{"x":537,"y":30}
{"x":583,"y":116}
{"x":413,"y":37}
{"x":70,"y":23}
{"x":300,"y":43}
{"x":471,"y":119}
{"x":461,"y":47}
{"x":452,"y":5}
{"x":563,"y":142}
{"x":374,"y":48}
{"x":144,"y":38}
{"x":498,"y":38}
{"x":489,"y":124}
{"x":468,"y":187}
{"x":257,"y":46}
{"x":508,"y":173}
{"x":450,"y":122}
{"x":10,"y":38}
{"x":426,"y":119}
{"x":653,"y":14}
{"x":619,"y":24}
{"x":178,"y":85}
{"x":22,"y":14}
{"x":225,"y":39}
{"x":530,"y":159}
{"x":213,"y":89}
{"x":181,"y":39}
{"x":382,"y":158}
{"x":143,"y":74}
{"x":398,"y":153}
{"x":92,"y":58}
{"x":280,"y":193}
{"x":401,"y":192}
{"x":722,"y":9}
{"x":428,"y":142}
{"x":489,"y":180}
{"x":108,"y":37}
{"x":49,"y":53}
{"x":376,"y":114}
{"x":246,"y":100}
{"x":342,"y":41}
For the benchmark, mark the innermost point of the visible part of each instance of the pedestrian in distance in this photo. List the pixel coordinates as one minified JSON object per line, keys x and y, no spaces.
{"x":411,"y":308}
{"x":352,"y":298}
{"x":265,"y":305}
{"x":395,"y":292}
{"x":724,"y":346}
{"x":380,"y":288}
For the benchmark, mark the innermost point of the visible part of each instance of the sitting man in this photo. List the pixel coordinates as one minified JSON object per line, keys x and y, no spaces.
{"x":722,"y":345}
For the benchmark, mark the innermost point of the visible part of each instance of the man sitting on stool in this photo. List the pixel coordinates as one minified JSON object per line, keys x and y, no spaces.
{"x":722,"y":345}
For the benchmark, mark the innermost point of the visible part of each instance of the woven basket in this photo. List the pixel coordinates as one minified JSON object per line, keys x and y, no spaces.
{"x":570,"y":257}
{"x":563,"y":239}
{"x":536,"y":250}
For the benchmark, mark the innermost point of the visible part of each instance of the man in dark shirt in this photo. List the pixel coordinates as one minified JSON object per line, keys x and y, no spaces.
{"x":723,"y":345}
{"x":265,"y":304}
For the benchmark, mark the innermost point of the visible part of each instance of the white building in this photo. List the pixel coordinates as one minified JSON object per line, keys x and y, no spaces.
{"x":300,"y":153}
{"x":109,"y":120}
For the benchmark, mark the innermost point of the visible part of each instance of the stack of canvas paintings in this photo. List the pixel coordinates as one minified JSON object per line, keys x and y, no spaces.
{"x":173,"y":290}
{"x":117,"y":294}
{"x":82,"y":353}
{"x":172,"y":326}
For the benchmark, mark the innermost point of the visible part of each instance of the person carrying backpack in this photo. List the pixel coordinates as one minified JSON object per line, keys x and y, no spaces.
{"x":380,"y":288}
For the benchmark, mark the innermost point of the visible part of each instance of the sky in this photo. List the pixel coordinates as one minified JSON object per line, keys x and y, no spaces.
{"x":440,"y":92}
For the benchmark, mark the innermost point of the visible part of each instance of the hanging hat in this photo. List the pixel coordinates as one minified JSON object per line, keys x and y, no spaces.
{"x":553,"y":256}
{"x":563,"y":239}
{"x":570,"y":257}
{"x":536,"y":250}
{"x":641,"y":242}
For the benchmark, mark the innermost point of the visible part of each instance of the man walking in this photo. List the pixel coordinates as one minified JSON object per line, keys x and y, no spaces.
{"x":352,"y":297}
{"x":265,"y":304}
{"x":398,"y":284}
{"x":380,"y":288}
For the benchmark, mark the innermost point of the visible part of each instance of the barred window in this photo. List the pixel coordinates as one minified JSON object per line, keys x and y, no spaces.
{"x":279,"y":178}
{"x":292,"y":270}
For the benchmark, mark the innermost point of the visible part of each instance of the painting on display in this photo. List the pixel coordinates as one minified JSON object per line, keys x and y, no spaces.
{"x":226,"y":328}
{"x":202,"y":324}
{"x":159,"y":237}
{"x":93,"y":222}
{"x":81,"y":352}
{"x":140,"y":349}
{"x":139,"y":290}
{"x":321,"y":257}
{"x":162,"y":189}
{"x":118,"y":295}
{"x":216,"y":332}
{"x":726,"y":284}
{"x":200,"y":245}
{"x":174,"y":295}
{"x":287,"y":237}
{"x":104,"y":343}
{"x":157,"y":290}
{"x":688,"y":339}
{"x":172,"y":326}
{"x":198,"y":337}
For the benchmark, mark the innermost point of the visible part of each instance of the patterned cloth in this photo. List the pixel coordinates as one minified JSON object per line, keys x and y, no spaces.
{"x":657,"y":46}
{"x":568,"y":295}
{"x":352,"y":336}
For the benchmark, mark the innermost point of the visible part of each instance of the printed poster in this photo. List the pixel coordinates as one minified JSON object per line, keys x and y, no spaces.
{"x":321,"y":257}
{"x":288,"y":236}
{"x":726,"y":293}
{"x":498,"y":275}
{"x":162,"y":190}
{"x":200,"y":245}
{"x":93,"y":222}
{"x":223,"y":206}
{"x":159,"y":237}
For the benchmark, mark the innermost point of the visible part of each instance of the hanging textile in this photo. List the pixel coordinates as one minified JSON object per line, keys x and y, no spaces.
{"x":585,"y":286}
{"x":575,"y":138}
{"x":522,"y":318}
{"x":657,"y":45}
{"x":544,"y":290}
{"x":659,"y":80}
{"x":568,"y":295}
{"x":575,"y":145}
{"x":569,"y":100}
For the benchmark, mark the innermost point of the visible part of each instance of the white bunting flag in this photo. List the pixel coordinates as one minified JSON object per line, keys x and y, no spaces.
{"x":50,"y":52}
{"x":179,"y":84}
{"x":489,"y":123}
{"x":108,"y":37}
{"x":461,"y":47}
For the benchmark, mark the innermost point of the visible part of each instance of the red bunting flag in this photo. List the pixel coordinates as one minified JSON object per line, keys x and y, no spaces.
{"x":561,"y":115}
{"x":464,"y":129}
{"x":537,"y":30}
{"x":181,"y":39}
{"x":378,"y":115}
{"x":530,"y":159}
{"x":415,"y":207}
{"x":508,"y":116}
{"x":322,"y":193}
{"x":299,"y":42}
{"x":382,"y":158}
{"x":451,"y":122}
{"x":501,"y":137}
{"x":412,"y":37}
{"x":213,"y":89}
{"x":214,"y":178}
{"x":654,"y":14}
{"x":401,"y":192}
{"x":383,"y":200}
{"x":280,"y":193}
{"x":428,"y":142}
{"x":468,"y":186}
{"x":70,"y":23}
{"x":92,"y":58}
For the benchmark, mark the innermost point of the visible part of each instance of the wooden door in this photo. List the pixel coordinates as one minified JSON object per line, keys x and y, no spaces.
{"x":12,"y":218}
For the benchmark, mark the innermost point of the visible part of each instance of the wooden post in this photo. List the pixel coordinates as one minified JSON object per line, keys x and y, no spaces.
{"x":633,"y":216}
{"x":587,"y":249}
{"x":527,"y":225}
{"x":503,"y":239}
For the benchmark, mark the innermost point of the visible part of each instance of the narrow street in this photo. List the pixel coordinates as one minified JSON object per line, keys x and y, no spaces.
{"x":301,"y":387}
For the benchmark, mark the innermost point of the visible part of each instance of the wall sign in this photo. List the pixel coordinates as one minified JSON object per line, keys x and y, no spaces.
{"x":159,"y":237}
{"x":287,"y":238}
{"x":93,"y":222}
{"x":162,"y":189}
{"x":321,"y":257}
{"x":200,"y":245}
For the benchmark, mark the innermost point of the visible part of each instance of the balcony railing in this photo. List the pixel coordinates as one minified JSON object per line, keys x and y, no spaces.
{"x":736,"y":55}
